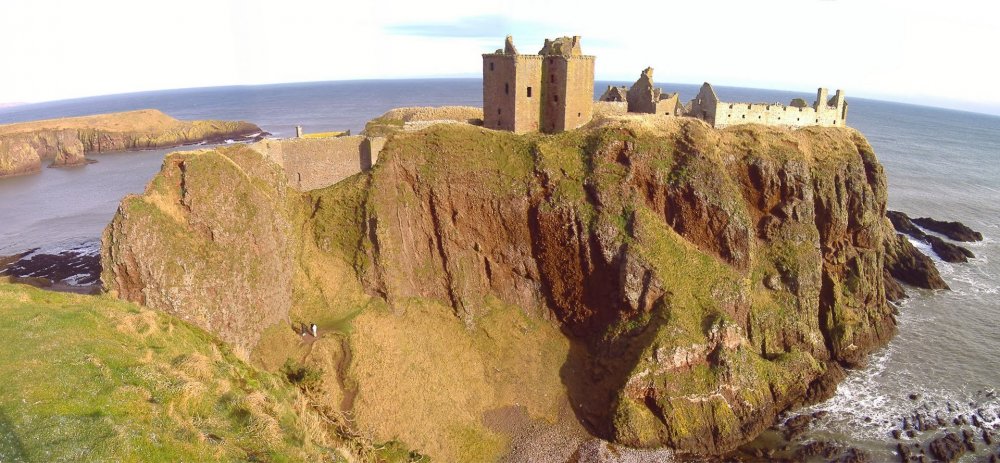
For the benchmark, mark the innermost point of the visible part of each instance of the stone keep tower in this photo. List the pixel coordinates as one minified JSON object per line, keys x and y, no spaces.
{"x":550,"y":92}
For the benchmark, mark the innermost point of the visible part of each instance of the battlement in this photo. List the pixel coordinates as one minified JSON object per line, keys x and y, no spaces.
{"x":514,"y":57}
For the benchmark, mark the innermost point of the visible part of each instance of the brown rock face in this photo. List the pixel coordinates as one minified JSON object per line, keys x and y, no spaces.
{"x":209,"y":241}
{"x":653,"y":251}
{"x":707,"y":279}
{"x":907,"y":264}
{"x":24,"y":153}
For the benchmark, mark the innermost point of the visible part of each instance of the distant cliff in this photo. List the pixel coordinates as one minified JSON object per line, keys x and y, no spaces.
{"x":667,"y":284}
{"x":24,"y":147}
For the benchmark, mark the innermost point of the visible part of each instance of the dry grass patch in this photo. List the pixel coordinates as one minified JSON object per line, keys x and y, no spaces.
{"x":426,"y":379}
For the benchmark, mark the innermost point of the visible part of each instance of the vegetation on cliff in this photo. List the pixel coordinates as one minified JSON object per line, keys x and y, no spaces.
{"x":96,"y":379}
{"x":664,"y":283}
{"x":24,"y":147}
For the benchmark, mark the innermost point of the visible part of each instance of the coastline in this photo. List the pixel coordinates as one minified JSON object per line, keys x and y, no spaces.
{"x":898,"y":159}
{"x":25,"y":147}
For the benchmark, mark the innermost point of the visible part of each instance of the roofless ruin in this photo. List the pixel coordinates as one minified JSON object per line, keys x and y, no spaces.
{"x":553,"y":91}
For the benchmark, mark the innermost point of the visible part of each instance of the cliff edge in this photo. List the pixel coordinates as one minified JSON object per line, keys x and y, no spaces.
{"x":665,"y":284}
{"x":24,"y":147}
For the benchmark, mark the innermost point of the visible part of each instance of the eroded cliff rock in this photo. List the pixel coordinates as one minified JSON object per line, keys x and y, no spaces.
{"x":209,"y":241}
{"x":24,"y":147}
{"x":713,"y":276}
{"x":679,"y":285}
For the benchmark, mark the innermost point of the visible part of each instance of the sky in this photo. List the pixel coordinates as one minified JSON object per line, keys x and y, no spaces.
{"x":939,"y":53}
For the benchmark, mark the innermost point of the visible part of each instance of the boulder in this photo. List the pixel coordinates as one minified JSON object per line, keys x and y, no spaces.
{"x":907,"y":264}
{"x":947,"y":448}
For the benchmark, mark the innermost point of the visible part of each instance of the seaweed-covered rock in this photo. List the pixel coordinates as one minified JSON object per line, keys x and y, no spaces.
{"x":949,"y":252}
{"x":947,"y":448}
{"x":902,"y":223}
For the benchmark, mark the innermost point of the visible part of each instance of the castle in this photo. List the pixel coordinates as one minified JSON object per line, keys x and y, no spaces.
{"x":549,"y":92}
{"x":553,"y":91}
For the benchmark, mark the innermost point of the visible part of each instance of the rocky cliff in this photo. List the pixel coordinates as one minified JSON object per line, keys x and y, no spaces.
{"x":25,"y":147}
{"x":208,"y":241}
{"x":671,"y":284}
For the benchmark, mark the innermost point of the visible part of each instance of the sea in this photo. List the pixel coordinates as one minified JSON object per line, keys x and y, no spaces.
{"x":944,"y":361}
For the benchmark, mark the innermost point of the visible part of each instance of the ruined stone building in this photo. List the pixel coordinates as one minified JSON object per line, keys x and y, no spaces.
{"x":553,"y":91}
{"x":643,"y":97}
{"x":615,"y":94}
{"x":823,"y":112}
{"x":549,"y":92}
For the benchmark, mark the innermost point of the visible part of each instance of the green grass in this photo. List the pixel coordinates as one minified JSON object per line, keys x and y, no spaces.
{"x":697,"y":282}
{"x":89,"y":378}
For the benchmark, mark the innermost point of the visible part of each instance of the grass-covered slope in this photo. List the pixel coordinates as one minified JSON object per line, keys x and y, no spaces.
{"x":90,"y":378}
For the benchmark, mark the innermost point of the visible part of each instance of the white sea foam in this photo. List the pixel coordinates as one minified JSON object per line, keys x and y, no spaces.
{"x":89,"y":247}
{"x":75,"y":280}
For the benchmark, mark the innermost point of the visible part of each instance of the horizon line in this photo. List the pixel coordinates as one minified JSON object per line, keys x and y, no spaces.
{"x":4,"y":106}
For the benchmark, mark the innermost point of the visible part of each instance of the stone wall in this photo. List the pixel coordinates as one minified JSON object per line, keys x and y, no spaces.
{"x":579,"y":92}
{"x":669,"y":105}
{"x":704,"y":105}
{"x":727,"y":114}
{"x":318,"y":163}
{"x":511,"y":92}
{"x":569,"y":92}
{"x":823,"y":112}
{"x":614,"y":94}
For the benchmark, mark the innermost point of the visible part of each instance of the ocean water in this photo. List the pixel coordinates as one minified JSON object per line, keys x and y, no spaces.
{"x":939,"y":163}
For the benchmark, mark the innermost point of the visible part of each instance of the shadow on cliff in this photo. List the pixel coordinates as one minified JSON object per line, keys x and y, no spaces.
{"x":585,"y":295}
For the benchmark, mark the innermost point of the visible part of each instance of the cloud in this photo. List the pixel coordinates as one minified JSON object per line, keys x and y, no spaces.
{"x":477,"y":27}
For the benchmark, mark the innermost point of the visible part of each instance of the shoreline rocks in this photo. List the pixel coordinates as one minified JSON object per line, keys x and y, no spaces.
{"x":72,"y":270}
{"x":907,"y":264}
{"x":948,"y":252}
{"x":953,"y":230}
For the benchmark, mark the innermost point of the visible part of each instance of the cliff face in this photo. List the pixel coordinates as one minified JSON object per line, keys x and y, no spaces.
{"x":208,"y":241}
{"x":704,"y":280}
{"x":712,"y":276}
{"x":64,"y":142}
{"x":23,"y":153}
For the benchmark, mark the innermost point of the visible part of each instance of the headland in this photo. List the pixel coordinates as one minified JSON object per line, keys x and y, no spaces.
{"x":26,"y":147}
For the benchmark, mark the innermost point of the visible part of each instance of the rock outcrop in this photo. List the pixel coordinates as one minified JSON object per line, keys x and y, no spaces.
{"x":954,"y":230}
{"x":705,"y":280}
{"x":948,"y":252}
{"x":907,"y":264}
{"x":24,"y":147}
{"x":209,"y":241}
{"x":655,"y":250}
